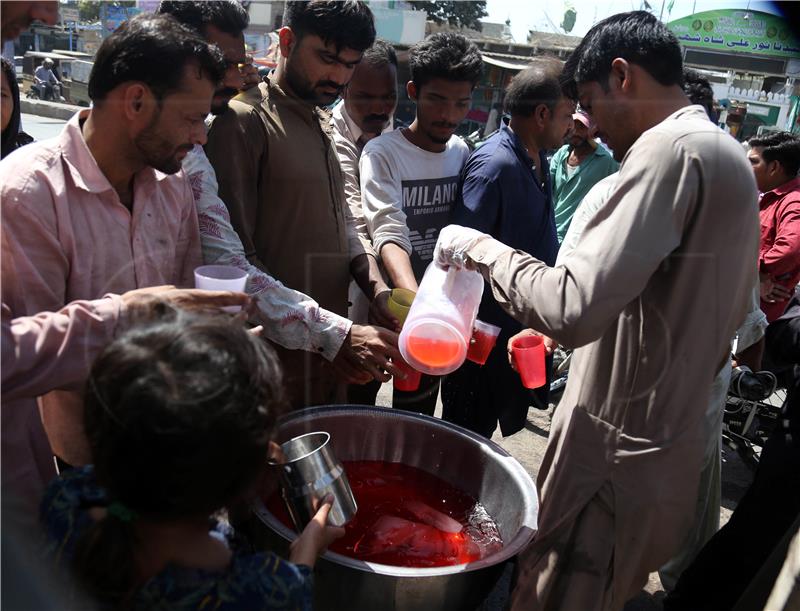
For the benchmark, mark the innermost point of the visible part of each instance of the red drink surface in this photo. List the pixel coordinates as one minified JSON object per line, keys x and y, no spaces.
{"x":433,"y":352}
{"x":481,"y":346}
{"x":399,"y":519}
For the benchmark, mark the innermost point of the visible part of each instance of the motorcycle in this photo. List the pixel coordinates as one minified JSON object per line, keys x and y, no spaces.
{"x":752,"y":411}
{"x":752,"y":406}
{"x":39,"y":91}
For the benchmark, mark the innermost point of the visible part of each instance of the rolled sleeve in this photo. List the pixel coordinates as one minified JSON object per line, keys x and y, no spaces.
{"x":382,"y":202}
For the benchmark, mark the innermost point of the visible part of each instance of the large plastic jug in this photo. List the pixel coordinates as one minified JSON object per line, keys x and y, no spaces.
{"x":436,"y":334}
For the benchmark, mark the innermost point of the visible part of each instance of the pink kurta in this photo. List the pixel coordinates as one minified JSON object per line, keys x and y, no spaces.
{"x":55,"y":349}
{"x":66,"y":236}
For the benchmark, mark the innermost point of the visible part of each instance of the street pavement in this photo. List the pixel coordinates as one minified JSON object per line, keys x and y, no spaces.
{"x":41,"y":128}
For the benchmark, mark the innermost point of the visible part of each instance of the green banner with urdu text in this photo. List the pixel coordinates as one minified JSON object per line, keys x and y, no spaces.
{"x":738,"y":31}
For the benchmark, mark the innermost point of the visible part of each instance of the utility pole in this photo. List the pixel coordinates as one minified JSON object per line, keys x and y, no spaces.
{"x":661,"y":14}
{"x":103,"y":18}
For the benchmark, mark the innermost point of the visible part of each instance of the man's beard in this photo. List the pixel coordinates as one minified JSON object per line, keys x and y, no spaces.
{"x":227,"y":94}
{"x":157,"y":152}
{"x":304,"y":90}
{"x":437,"y":139}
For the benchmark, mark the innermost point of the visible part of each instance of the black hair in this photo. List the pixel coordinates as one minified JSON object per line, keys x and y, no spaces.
{"x":699,"y":91}
{"x":638,"y":37}
{"x":153,"y":49}
{"x":782,"y":147}
{"x":178,"y":414}
{"x":12,"y":129}
{"x":445,"y":55}
{"x":380,"y":54}
{"x":347,"y":24}
{"x":535,"y":85}
{"x":228,"y":16}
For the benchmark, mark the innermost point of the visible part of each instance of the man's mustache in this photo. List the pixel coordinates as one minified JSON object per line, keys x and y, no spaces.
{"x":330,"y":85}
{"x":227,"y":92}
{"x":377,"y":118}
{"x":445,"y":125}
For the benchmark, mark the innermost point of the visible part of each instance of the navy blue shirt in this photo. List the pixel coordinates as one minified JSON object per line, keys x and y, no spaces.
{"x":499,"y":195}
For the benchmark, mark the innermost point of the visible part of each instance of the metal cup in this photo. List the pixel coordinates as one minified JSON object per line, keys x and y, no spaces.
{"x":310,"y":473}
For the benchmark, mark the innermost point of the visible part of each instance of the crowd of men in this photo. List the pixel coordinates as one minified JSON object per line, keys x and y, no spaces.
{"x":187,"y":157}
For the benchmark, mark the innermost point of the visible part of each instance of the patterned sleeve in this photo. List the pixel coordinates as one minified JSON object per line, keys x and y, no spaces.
{"x":268,"y":582}
{"x":256,"y":582}
{"x":290,"y":318}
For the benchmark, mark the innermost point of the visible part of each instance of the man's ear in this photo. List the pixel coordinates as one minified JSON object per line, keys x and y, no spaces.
{"x":137,"y":101}
{"x":620,"y":76}
{"x":774,"y":168}
{"x":287,"y":40}
{"x":541,"y":114}
{"x":411,"y":90}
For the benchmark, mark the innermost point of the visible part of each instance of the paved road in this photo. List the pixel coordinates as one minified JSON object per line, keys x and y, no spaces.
{"x":41,"y":128}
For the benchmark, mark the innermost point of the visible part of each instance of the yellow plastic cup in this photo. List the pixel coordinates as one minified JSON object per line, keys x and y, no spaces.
{"x":399,"y":303}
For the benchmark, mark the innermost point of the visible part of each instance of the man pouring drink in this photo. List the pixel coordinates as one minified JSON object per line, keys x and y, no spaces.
{"x":649,"y":300}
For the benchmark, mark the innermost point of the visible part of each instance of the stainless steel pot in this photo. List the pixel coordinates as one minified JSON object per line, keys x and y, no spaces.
{"x":464,"y":459}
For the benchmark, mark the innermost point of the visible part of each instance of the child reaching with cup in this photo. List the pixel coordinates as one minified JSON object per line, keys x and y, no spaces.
{"x":179,"y":416}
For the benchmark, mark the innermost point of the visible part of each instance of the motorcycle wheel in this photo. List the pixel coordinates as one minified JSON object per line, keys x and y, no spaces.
{"x":745,"y":449}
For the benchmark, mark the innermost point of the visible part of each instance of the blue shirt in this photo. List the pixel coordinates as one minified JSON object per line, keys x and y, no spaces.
{"x":500,"y":195}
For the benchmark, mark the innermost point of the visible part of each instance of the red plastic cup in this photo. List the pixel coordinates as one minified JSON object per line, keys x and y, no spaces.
{"x":484,"y":337}
{"x":528,"y":352}
{"x":412,"y":379}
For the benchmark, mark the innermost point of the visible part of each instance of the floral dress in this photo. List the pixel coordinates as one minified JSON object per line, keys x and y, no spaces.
{"x":252,"y":581}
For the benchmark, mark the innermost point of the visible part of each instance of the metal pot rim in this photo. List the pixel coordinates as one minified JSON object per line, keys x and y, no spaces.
{"x":510,"y":549}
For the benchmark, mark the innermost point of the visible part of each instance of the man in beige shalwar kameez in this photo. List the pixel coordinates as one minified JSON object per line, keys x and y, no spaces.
{"x":649,"y":299}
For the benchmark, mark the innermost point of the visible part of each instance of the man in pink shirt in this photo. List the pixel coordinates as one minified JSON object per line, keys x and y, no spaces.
{"x":104,"y":207}
{"x":55,"y":350}
{"x":776,"y":159}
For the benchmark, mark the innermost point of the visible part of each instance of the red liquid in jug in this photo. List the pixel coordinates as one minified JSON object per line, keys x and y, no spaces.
{"x":407,"y":517}
{"x":433,"y":352}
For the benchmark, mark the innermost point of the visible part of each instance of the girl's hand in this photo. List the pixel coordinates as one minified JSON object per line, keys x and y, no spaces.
{"x":316,"y":537}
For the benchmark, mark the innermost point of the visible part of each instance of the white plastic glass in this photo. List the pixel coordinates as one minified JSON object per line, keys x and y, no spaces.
{"x":221,"y":278}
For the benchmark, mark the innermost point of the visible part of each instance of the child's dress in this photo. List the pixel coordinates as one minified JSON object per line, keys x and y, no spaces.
{"x":252,"y":581}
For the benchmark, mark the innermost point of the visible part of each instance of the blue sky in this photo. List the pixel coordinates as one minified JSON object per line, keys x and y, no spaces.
{"x":532,"y":16}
